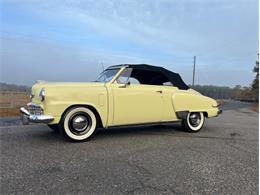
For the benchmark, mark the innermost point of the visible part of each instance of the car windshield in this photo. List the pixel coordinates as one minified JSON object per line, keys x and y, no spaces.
{"x":107,"y":75}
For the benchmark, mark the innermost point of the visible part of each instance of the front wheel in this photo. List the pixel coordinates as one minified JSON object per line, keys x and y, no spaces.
{"x":193,"y":122}
{"x":78,"y":124}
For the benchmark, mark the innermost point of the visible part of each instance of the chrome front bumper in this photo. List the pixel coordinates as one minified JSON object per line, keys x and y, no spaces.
{"x":27,"y":117}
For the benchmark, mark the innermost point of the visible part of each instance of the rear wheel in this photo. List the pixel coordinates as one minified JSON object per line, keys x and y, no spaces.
{"x":78,"y":124}
{"x":193,"y":122}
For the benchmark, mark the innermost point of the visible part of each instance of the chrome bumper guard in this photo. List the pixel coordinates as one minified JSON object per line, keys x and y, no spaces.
{"x":26,"y":117}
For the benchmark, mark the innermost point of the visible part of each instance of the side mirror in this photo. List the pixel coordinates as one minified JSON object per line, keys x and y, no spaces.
{"x":123,"y":85}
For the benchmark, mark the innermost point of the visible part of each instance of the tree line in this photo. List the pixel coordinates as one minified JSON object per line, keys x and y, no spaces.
{"x":13,"y":87}
{"x":215,"y":92}
{"x":237,"y":93}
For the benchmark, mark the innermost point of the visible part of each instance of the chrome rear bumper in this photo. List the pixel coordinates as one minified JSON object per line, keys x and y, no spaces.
{"x":26,"y":117}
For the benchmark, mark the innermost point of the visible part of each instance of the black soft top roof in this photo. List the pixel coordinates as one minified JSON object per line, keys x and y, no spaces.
{"x":153,"y":71}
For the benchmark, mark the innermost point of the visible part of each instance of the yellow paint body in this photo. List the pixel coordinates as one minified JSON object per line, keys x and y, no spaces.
{"x":119,"y":104}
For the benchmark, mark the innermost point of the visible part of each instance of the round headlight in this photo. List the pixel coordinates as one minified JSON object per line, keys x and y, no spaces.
{"x":42,"y":94}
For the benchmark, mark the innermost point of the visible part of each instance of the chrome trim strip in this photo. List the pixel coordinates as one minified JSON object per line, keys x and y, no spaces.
{"x":144,"y":124}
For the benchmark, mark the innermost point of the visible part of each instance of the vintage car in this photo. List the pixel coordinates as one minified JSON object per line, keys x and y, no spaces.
{"x":122,"y":95}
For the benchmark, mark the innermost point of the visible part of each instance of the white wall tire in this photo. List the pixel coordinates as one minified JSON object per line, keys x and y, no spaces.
{"x":78,"y":123}
{"x":194,"y":121}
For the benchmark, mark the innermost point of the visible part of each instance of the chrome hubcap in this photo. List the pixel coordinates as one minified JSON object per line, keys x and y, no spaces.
{"x":80,"y":123}
{"x":195,"y":119}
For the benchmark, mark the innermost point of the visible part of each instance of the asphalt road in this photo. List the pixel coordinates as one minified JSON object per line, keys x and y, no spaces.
{"x":220,"y":159}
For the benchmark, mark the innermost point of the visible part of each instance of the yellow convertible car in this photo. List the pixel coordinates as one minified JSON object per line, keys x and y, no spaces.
{"x":122,"y":95}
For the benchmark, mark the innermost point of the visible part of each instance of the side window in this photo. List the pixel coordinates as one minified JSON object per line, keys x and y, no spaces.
{"x":133,"y":81}
{"x":124,"y":77}
{"x":145,"y":77}
{"x":148,"y":77}
{"x":167,"y":84}
{"x":127,"y":76}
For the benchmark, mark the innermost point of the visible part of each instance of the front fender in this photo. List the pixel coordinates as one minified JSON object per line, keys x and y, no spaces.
{"x":57,"y":109}
{"x":57,"y":101}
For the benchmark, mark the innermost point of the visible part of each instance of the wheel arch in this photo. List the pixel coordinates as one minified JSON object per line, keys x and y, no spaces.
{"x":183,"y":114}
{"x":92,"y":108}
{"x":206,"y":114}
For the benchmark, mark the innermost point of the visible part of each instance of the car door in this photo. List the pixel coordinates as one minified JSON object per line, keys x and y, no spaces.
{"x":136,"y":104}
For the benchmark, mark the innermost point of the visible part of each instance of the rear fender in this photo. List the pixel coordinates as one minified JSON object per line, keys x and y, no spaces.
{"x":186,"y":102}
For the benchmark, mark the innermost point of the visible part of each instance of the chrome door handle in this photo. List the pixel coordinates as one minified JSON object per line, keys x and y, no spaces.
{"x":160,"y":91}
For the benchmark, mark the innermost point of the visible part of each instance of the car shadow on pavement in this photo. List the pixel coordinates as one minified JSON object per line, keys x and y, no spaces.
{"x":141,"y":130}
{"x":44,"y":133}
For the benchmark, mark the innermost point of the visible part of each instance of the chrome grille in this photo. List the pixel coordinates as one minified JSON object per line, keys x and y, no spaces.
{"x":35,"y":110}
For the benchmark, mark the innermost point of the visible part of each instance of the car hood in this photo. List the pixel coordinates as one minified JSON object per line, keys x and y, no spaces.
{"x":58,"y":86}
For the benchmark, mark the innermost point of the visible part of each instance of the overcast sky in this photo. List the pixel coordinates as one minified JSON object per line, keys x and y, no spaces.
{"x":69,"y":40}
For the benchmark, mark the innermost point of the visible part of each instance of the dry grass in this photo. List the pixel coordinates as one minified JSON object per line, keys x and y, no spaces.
{"x":255,"y":107}
{"x":10,"y":101}
{"x":4,"y":112}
